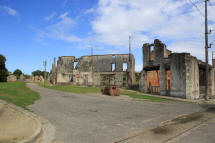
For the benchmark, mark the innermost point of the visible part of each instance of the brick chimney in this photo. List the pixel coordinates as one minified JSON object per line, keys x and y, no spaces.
{"x":54,"y":63}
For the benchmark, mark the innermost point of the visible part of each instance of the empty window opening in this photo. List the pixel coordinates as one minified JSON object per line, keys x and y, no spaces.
{"x":113,"y":67}
{"x":125,"y":66}
{"x":152,"y":53}
{"x":75,"y":64}
{"x":113,"y":56}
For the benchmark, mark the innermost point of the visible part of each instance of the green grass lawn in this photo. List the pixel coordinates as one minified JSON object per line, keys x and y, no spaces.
{"x":18,"y":94}
{"x":74,"y":89}
{"x":136,"y":95}
{"x":85,"y":90}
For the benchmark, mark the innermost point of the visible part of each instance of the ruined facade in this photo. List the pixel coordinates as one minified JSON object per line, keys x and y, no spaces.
{"x":96,"y":70}
{"x":11,"y":78}
{"x":173,"y":74}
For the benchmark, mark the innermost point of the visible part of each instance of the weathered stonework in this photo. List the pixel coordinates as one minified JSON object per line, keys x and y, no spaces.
{"x":22,"y":77}
{"x":11,"y":78}
{"x":96,"y":70}
{"x":180,"y":74}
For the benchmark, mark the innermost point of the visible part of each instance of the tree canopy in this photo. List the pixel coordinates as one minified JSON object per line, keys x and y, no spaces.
{"x":17,"y":73}
{"x":3,"y":69}
{"x":39,"y":73}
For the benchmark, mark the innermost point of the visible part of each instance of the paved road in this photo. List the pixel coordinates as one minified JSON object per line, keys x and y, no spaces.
{"x":201,"y":134}
{"x":102,"y":119}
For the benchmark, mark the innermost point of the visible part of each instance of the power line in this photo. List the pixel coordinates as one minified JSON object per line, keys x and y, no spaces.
{"x":197,"y":8}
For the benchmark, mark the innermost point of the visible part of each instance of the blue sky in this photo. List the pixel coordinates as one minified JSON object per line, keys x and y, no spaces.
{"x":32,"y":31}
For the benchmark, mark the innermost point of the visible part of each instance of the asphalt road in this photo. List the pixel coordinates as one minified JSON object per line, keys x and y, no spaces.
{"x":102,"y":119}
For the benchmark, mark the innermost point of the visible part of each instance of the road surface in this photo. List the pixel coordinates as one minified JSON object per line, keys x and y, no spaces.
{"x":102,"y":119}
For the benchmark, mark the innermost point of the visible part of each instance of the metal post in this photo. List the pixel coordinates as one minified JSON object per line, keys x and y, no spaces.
{"x":206,"y":51}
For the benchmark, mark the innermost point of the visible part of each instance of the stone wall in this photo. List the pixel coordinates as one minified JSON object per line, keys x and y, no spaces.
{"x":192,"y":78}
{"x":65,"y":66}
{"x":178,"y":75}
{"x":97,"y":70}
{"x":11,"y":78}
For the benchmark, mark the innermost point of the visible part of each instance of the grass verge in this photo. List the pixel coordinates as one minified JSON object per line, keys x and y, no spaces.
{"x":136,"y":95}
{"x":17,"y":93}
{"x":85,"y":90}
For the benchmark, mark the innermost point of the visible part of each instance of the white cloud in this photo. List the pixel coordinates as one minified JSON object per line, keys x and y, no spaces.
{"x":9,"y":10}
{"x":60,"y":30}
{"x":176,"y":21}
{"x":91,"y":10}
{"x":49,"y":17}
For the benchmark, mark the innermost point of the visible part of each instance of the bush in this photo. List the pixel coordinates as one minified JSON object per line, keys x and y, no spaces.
{"x":3,"y":69}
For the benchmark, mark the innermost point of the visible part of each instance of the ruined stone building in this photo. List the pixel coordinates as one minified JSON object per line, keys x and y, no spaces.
{"x":173,"y":74}
{"x":96,"y":70}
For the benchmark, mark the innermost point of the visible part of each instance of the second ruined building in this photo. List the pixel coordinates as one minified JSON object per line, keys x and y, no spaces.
{"x":174,"y":74}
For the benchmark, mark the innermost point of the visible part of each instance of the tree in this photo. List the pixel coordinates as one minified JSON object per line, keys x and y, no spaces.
{"x":137,"y":74}
{"x":43,"y":73}
{"x":40,"y":73}
{"x":17,"y":73}
{"x":3,"y":69}
{"x":37,"y":73}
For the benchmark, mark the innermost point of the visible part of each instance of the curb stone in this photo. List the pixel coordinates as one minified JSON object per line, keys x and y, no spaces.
{"x":35,"y":117}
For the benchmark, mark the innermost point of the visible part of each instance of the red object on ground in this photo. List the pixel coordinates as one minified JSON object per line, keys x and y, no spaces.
{"x":111,"y":90}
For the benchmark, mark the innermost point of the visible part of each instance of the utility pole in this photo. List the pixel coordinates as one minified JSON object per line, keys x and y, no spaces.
{"x":206,"y":50}
{"x":213,"y":64}
{"x":129,"y":48}
{"x":130,"y":64}
{"x":44,"y":64}
{"x":92,"y":66}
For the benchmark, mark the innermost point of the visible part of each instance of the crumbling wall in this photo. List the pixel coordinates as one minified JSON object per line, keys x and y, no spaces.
{"x":178,"y":75}
{"x":143,"y":81}
{"x":65,"y":68}
{"x":11,"y":78}
{"x":212,"y":78}
{"x":192,"y":77}
{"x":97,"y":70}
{"x":146,"y":54}
{"x":53,"y":74}
{"x":159,"y":49}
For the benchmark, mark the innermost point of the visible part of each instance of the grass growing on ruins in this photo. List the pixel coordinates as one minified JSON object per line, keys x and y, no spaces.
{"x":18,"y":94}
{"x":136,"y":95}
